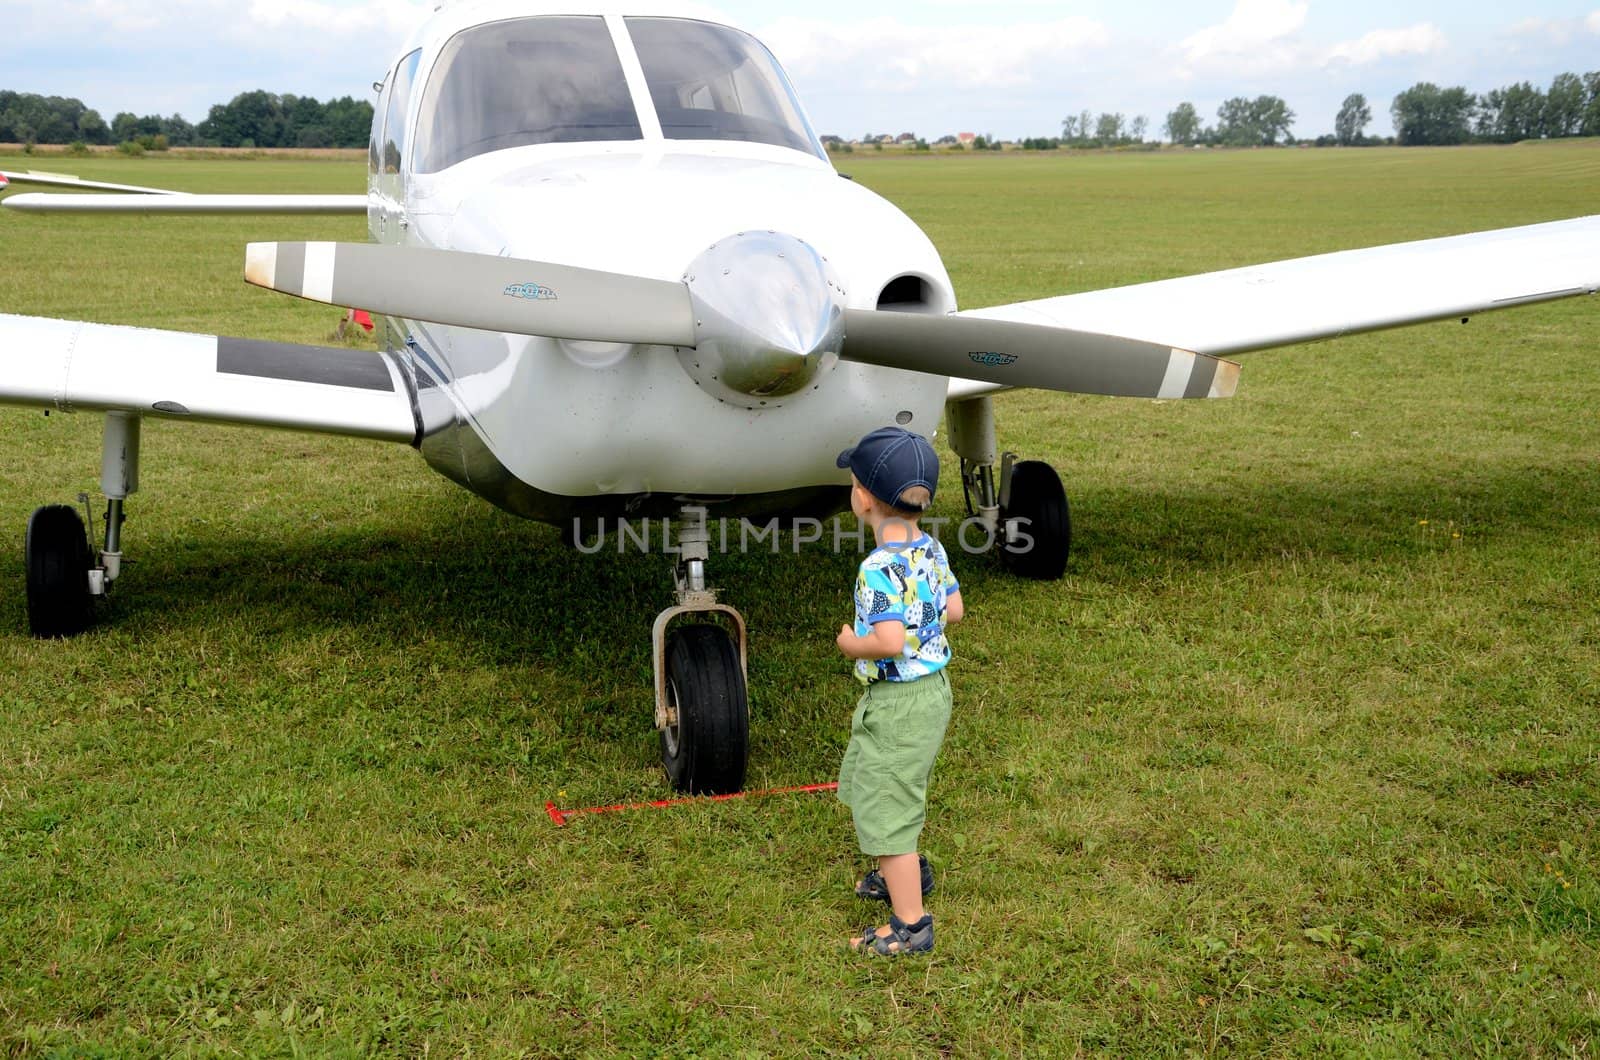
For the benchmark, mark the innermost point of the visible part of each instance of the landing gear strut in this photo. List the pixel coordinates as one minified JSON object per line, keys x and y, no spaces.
{"x":702,"y":710}
{"x":1024,"y":506}
{"x":64,"y":579}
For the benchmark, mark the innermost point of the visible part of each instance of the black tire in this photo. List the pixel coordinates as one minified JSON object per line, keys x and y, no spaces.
{"x":1038,"y":497}
{"x":57,"y":555}
{"x":705,"y":751}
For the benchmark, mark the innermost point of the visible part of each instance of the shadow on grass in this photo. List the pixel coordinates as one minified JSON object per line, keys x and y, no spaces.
{"x":518,"y":586}
{"x":493,"y":594}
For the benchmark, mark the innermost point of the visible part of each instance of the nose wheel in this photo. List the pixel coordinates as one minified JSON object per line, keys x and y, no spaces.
{"x":706,"y":738}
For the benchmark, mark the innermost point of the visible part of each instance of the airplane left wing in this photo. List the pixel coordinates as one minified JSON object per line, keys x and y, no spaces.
{"x":1329,"y":295}
{"x":72,"y":366}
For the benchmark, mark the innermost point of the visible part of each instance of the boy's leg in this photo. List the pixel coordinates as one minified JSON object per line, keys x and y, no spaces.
{"x":902,"y":874}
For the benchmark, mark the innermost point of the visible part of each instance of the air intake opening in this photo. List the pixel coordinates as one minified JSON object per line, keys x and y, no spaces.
{"x":907,"y":294}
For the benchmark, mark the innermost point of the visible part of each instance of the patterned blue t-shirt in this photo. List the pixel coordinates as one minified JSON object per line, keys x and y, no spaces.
{"x":908,"y":583}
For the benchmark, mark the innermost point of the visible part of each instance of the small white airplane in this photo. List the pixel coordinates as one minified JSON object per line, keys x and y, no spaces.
{"x":618,"y":277}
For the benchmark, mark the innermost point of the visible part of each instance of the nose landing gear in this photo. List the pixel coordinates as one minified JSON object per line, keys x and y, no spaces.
{"x":702,"y":709}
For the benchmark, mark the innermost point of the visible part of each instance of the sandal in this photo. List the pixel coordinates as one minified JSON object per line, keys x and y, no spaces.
{"x":873,"y":889}
{"x":902,"y":939}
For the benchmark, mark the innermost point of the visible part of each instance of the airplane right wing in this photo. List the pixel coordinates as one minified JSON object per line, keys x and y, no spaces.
{"x":72,"y":366}
{"x":1328,"y":295}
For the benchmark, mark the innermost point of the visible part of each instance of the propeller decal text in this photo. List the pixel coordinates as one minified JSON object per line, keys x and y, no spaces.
{"x":993,"y":360}
{"x":533,"y":292}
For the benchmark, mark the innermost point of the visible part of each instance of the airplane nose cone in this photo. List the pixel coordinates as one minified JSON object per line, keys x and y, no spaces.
{"x":769,"y":318}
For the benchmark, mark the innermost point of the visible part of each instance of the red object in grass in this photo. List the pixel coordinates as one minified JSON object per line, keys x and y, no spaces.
{"x":362,"y":317}
{"x":560,"y":817}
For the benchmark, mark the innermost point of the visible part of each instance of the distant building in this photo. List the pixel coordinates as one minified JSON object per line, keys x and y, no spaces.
{"x":966,"y":139}
{"x":906,"y":138}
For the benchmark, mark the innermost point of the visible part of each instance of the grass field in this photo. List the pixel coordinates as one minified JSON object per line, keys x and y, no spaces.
{"x":1301,"y":758}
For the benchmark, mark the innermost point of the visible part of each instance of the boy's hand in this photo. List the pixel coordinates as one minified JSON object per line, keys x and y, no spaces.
{"x":846,"y":638}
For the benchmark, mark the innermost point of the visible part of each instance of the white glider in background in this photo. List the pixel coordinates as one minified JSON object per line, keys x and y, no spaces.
{"x":136,"y":199}
{"x":618,"y":277}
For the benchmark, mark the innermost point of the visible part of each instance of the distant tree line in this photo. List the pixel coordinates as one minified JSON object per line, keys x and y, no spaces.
{"x":1428,"y":114}
{"x":1089,"y":130}
{"x":251,"y":119}
{"x":1422,"y":114}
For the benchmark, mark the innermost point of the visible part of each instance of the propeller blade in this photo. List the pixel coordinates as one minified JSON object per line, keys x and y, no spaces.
{"x":1032,"y":355}
{"x":478,"y":291}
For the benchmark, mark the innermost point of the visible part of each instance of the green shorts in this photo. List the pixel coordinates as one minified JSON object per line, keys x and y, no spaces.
{"x":894,"y":738}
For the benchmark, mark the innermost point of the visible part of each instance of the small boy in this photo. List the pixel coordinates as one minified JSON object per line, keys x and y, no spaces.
{"x":905,"y":599}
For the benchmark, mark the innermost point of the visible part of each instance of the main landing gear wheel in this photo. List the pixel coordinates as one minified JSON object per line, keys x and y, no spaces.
{"x":1039,"y":504}
{"x":706,"y":739}
{"x":57,"y":554}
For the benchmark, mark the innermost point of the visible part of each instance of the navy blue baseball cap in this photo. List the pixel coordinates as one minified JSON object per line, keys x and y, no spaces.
{"x":889,"y":461}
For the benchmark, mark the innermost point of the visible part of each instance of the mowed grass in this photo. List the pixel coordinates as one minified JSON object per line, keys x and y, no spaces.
{"x":1301,"y":758}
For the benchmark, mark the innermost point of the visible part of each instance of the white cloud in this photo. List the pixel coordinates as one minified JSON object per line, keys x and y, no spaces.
{"x":1555,"y":31}
{"x":887,"y":54}
{"x":283,"y":26}
{"x":120,"y":18}
{"x":1422,"y":39}
{"x":1593,"y":22}
{"x":1264,"y":37}
{"x":335,"y":19}
{"x":1259,"y":34}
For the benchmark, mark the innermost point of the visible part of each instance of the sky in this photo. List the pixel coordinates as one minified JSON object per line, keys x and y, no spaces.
{"x":1011,"y":68}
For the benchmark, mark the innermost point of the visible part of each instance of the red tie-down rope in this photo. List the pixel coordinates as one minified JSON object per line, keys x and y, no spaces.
{"x":560,"y":817}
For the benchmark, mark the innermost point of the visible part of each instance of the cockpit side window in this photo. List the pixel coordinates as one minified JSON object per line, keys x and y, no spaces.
{"x":375,"y":145}
{"x":394,"y":122}
{"x":539,"y":80}
{"x":709,"y":82}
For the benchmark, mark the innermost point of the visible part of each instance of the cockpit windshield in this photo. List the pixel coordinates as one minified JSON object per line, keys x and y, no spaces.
{"x":709,"y":82}
{"x":543,"y":80}
{"x":552,"y":79}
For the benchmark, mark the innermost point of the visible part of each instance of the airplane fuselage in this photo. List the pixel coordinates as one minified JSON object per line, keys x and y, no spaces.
{"x":553,"y":429}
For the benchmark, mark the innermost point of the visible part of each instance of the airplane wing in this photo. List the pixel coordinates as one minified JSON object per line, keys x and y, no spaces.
{"x":65,"y":180}
{"x":72,"y":366}
{"x":132,"y":198}
{"x":184,"y":203}
{"x":1329,"y":295}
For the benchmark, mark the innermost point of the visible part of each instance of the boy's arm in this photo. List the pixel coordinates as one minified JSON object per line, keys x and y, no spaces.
{"x":954,"y":609}
{"x":887,"y":639}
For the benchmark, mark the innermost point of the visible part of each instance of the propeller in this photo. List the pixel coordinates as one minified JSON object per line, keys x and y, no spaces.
{"x":561,"y":301}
